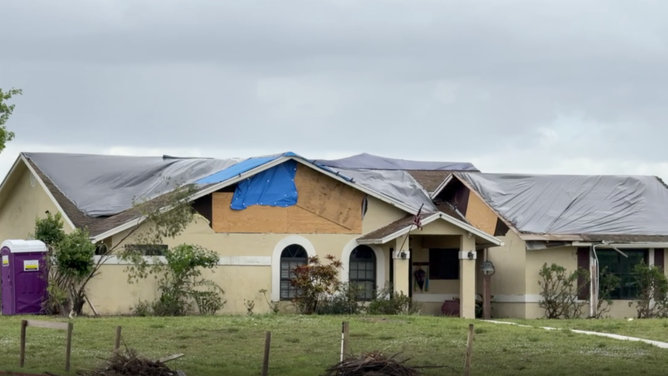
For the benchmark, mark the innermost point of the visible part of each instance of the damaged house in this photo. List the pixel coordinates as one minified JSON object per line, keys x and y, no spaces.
{"x":266,"y":214}
{"x":262,"y":216}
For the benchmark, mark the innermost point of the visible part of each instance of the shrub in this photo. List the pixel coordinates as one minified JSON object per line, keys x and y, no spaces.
{"x":315,"y":283}
{"x":346,"y":301}
{"x":180,"y":283}
{"x":387,"y":303}
{"x":560,"y":290}
{"x":608,"y":282}
{"x":652,"y":291}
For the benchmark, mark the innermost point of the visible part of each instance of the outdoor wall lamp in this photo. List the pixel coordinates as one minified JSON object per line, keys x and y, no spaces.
{"x":403,"y":255}
{"x":488,"y":268}
{"x":470,"y":255}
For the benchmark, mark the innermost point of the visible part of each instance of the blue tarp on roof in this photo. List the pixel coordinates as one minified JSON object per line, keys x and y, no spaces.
{"x":236,"y":169}
{"x":271,"y":187}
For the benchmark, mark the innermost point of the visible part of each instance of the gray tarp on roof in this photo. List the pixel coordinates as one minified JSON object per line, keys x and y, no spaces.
{"x":102,"y":185}
{"x":573,"y":204}
{"x":374,"y":162}
{"x":398,"y":185}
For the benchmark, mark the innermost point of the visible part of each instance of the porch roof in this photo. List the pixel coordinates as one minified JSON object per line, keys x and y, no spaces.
{"x":404,"y":225}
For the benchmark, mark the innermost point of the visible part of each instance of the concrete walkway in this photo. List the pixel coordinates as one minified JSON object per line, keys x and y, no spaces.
{"x":663,"y":345}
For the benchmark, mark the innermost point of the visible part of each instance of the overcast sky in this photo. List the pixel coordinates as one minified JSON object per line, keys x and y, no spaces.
{"x":558,"y":86}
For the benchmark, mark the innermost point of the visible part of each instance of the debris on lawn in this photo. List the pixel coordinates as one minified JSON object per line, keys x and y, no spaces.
{"x":372,"y":364}
{"x":129,"y":363}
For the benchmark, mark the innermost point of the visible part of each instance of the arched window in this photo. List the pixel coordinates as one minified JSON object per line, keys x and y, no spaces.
{"x":292,"y":256}
{"x":363,"y":271}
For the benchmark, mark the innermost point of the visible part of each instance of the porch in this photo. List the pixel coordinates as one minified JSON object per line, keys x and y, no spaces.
{"x":437,"y":265}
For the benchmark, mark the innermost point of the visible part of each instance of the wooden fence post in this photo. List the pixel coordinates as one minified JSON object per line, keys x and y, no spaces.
{"x":267,"y":347}
{"x":50,"y":325}
{"x":68,"y":355}
{"x":346,"y":338}
{"x":469,"y":352}
{"x":22,"y":358}
{"x":117,"y":345}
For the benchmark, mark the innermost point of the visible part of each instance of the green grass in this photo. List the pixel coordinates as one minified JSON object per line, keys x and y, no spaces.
{"x":306,"y":346}
{"x":655,"y":329}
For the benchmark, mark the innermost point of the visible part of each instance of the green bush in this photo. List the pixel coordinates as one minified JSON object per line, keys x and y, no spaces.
{"x":346,"y":301}
{"x":387,"y":303}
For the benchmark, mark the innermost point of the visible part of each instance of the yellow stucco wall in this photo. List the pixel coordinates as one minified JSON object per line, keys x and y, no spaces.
{"x":239,"y":282}
{"x":22,"y":205}
{"x":379,"y":214}
{"x":508,"y":284}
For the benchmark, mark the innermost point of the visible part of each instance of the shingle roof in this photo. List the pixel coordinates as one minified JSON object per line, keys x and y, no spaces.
{"x":393,"y":227}
{"x":429,"y":180}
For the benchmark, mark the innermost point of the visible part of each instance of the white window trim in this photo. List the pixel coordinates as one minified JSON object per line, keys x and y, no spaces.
{"x":380,"y":262}
{"x":276,"y":261}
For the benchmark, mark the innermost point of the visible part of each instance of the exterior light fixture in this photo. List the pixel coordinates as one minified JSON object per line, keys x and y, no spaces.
{"x":470,"y":255}
{"x":487,"y":268}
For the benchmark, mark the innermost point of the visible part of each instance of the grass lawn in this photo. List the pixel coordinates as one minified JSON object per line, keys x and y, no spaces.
{"x":655,"y":329}
{"x":305,"y":346}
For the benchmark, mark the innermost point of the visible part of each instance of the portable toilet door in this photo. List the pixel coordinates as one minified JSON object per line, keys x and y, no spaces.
{"x":23,"y":276}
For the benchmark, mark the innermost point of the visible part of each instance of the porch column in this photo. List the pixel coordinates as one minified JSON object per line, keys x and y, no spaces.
{"x":467,"y":272}
{"x":401,"y":277}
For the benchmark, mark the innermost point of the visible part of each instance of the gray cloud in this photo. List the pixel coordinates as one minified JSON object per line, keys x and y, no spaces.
{"x":532,"y":82}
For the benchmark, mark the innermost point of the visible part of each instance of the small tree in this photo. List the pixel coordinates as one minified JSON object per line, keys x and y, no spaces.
{"x":166,"y":216}
{"x":652,"y":291}
{"x":50,"y":231}
{"x":5,"y":111}
{"x":315,"y":283}
{"x":180,"y":283}
{"x":560,"y":291}
{"x":70,"y":261}
{"x":179,"y":278}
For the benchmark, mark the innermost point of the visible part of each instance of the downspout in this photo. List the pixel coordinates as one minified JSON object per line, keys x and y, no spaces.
{"x":593,"y":282}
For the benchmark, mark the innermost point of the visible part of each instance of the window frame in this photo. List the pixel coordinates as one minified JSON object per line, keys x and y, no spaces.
{"x":437,"y":271}
{"x":373,"y":261}
{"x":621,"y":267}
{"x":290,"y":259}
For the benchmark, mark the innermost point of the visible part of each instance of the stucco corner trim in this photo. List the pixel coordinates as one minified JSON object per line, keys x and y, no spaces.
{"x":276,"y":261}
{"x":380,"y":262}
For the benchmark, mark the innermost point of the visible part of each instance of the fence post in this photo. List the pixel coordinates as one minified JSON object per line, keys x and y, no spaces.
{"x":469,"y":352}
{"x":22,"y":358}
{"x":68,"y":354}
{"x":117,"y":345}
{"x":267,"y":347}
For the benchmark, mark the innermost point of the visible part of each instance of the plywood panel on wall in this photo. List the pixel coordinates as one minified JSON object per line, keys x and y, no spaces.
{"x":328,"y":198}
{"x":480,"y":215}
{"x":324,"y":206}
{"x":301,"y":221}
{"x":255,"y":218}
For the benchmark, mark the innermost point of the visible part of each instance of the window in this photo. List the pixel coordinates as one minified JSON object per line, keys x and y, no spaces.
{"x":443,"y":263}
{"x":101,"y":249}
{"x":148,"y":249}
{"x":363,"y":271}
{"x":292,"y":256}
{"x":622,"y":267}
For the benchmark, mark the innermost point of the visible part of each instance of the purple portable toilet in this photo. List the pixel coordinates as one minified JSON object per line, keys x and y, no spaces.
{"x":24,"y":276}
